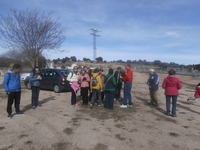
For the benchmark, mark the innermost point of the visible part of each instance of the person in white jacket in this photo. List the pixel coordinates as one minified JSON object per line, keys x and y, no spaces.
{"x":73,"y":79}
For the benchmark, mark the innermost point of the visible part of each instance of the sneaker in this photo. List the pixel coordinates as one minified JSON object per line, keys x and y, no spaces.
{"x":19,"y":113}
{"x":73,"y":105}
{"x":123,"y":106}
{"x":91,"y":105}
{"x":99,"y":105}
{"x":9,"y":116}
{"x":174,"y":115}
{"x":130,"y":105}
{"x":168,"y":114}
{"x":33,"y":107}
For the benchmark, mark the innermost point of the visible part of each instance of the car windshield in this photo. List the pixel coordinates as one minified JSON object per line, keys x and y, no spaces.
{"x":64,"y":72}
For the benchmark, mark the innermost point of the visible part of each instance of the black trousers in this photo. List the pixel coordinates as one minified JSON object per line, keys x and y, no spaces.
{"x":84,"y":93}
{"x":73,"y":97}
{"x":13,"y":97}
{"x":118,"y":90}
{"x":35,"y":95}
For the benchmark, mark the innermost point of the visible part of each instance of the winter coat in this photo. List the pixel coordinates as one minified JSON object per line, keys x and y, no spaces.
{"x":72,"y":77}
{"x":34,"y":80}
{"x":153,"y":82}
{"x":84,"y":80}
{"x":197,"y":93}
{"x":128,"y":76}
{"x":99,"y":85}
{"x":11,"y":82}
{"x":110,"y":83}
{"x":171,"y":84}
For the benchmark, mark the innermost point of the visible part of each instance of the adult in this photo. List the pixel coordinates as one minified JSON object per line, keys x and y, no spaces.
{"x":12,"y":87}
{"x":102,"y":75}
{"x":118,"y":79}
{"x":153,"y":83}
{"x":84,"y":80}
{"x":127,"y":78}
{"x":35,"y":79}
{"x":110,"y":85}
{"x":73,"y":79}
{"x":96,"y":87}
{"x":171,"y":84}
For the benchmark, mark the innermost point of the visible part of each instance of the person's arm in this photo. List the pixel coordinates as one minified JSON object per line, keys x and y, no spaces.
{"x":114,"y":81}
{"x":5,"y":82}
{"x":69,"y":77}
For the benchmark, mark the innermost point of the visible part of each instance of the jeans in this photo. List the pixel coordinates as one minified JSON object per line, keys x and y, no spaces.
{"x":13,"y":96}
{"x":94,"y":92}
{"x":35,"y":95}
{"x":84,"y":94}
{"x":174,"y":100}
{"x":127,"y":93}
{"x":109,"y":99}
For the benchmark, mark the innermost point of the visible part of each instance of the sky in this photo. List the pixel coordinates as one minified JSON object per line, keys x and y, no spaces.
{"x":165,"y":30}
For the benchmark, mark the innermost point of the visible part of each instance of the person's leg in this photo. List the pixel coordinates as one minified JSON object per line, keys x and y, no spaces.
{"x":84,"y":93}
{"x":73,"y":97}
{"x":155,"y":98}
{"x":17,"y":101}
{"x":174,"y":100}
{"x":33,"y":97}
{"x":168,"y":105}
{"x":37,"y":96}
{"x":10,"y":102}
{"x":151,"y":96}
{"x":112,"y":95}
{"x":93,"y":96}
{"x":129,"y":94}
{"x":125,"y":94}
{"x":99,"y":97}
{"x":107,"y":100}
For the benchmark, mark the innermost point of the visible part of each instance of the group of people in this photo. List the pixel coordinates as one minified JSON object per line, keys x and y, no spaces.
{"x":95,"y":85}
{"x":171,"y":84}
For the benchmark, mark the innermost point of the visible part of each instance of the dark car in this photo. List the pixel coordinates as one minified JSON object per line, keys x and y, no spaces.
{"x":52,"y":79}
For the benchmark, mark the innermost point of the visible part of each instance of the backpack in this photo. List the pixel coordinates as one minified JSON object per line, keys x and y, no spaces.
{"x":94,"y":81}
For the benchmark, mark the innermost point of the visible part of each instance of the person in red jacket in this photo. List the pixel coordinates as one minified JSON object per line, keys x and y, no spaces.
{"x":196,"y":94}
{"x":127,"y":78}
{"x":171,"y":84}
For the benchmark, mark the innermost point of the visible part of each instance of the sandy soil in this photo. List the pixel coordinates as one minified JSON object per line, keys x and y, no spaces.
{"x":58,"y":126}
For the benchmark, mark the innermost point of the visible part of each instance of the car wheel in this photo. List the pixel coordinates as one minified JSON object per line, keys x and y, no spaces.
{"x":28,"y":85}
{"x":56,"y":88}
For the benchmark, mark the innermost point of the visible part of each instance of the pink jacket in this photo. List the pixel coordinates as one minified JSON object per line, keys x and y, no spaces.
{"x":171,"y":84}
{"x":197,"y":93}
{"x":84,"y":83}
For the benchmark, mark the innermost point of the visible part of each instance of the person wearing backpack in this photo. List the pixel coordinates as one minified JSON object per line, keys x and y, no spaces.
{"x":12,"y":88}
{"x":109,"y":88}
{"x":95,"y":87}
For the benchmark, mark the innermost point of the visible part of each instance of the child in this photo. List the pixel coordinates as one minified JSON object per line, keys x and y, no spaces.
{"x":196,"y":94}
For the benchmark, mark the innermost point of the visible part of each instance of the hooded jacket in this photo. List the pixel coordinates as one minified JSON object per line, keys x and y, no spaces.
{"x":171,"y":84}
{"x":11,"y":82}
{"x":99,"y":85}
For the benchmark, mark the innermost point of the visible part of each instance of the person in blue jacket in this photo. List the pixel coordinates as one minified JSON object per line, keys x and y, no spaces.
{"x":12,"y":88}
{"x":153,"y":83}
{"x":35,"y":78}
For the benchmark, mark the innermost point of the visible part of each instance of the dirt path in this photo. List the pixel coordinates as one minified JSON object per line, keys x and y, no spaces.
{"x":58,"y":126}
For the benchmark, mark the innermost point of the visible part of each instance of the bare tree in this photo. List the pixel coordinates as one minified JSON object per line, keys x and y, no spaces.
{"x":30,"y":33}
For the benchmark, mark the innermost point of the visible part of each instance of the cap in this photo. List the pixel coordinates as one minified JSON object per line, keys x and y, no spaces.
{"x":151,"y":70}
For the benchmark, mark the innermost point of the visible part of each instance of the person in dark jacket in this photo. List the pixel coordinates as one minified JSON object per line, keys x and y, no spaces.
{"x":153,"y":83}
{"x":35,"y":78}
{"x":118,"y":75}
{"x":171,"y":84}
{"x":109,"y":89}
{"x":12,"y":87}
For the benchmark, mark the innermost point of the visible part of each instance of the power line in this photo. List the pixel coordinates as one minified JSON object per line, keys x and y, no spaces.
{"x":94,"y":34}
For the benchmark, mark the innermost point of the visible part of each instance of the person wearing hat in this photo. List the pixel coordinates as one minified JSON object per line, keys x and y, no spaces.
{"x":153,"y":83}
{"x":35,"y":79}
{"x":73,"y":80}
{"x":128,"y":79}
